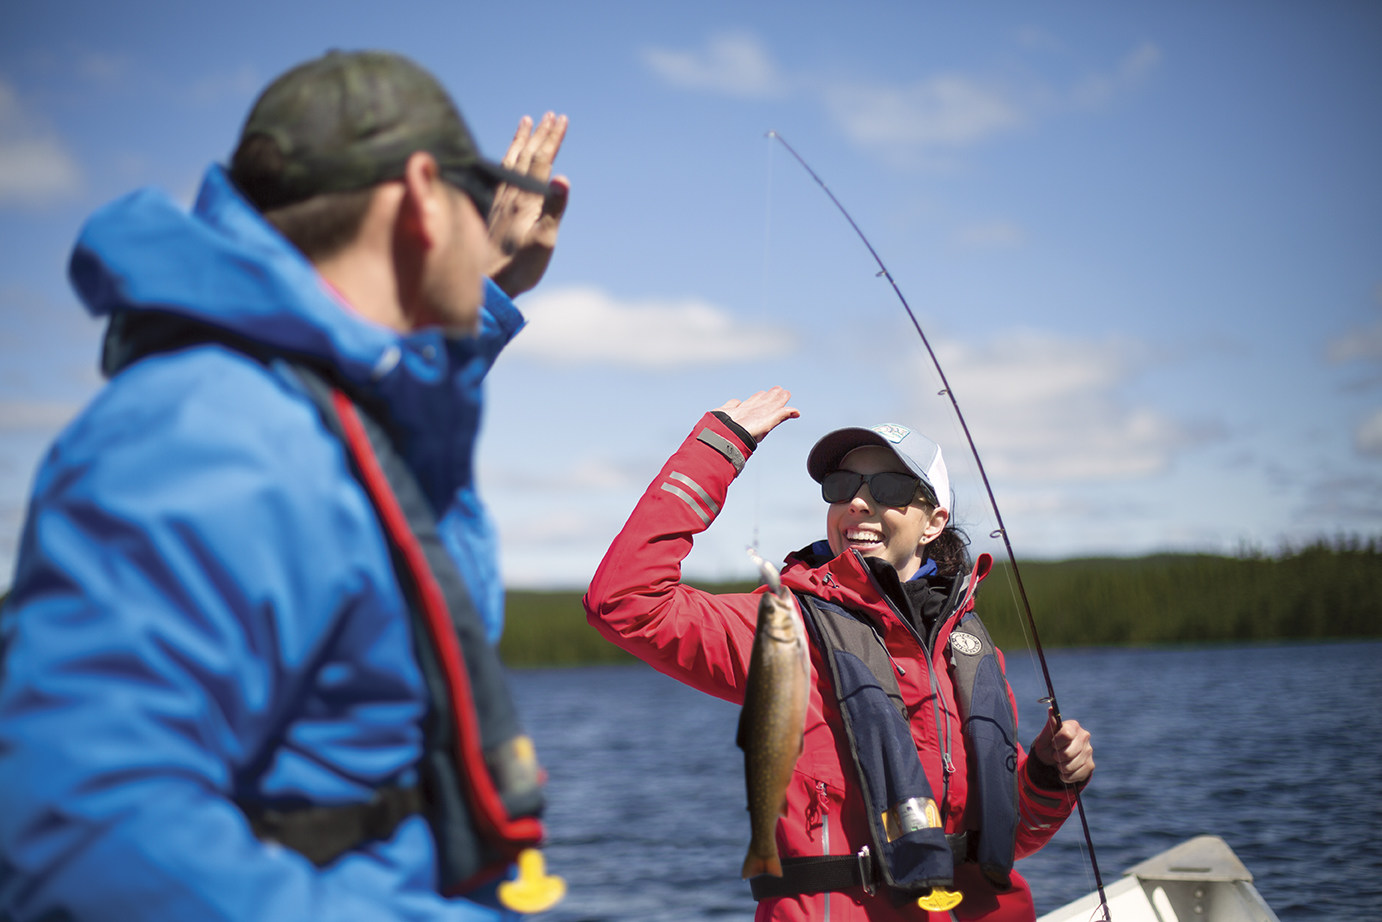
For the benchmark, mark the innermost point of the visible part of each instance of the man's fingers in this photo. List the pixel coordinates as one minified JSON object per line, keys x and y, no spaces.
{"x":534,"y":148}
{"x":548,"y":138}
{"x":520,"y":139}
{"x":541,"y":149}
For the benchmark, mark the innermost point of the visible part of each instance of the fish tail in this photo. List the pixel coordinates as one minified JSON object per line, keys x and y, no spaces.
{"x":755,"y":865}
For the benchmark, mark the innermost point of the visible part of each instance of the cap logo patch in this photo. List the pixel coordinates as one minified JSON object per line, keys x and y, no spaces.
{"x":893,"y":433}
{"x":964,"y":643}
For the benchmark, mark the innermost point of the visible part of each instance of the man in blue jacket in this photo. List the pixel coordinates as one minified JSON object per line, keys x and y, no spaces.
{"x":207,"y":658}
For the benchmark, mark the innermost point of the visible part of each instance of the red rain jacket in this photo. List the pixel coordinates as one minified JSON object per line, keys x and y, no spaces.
{"x":638,"y":602}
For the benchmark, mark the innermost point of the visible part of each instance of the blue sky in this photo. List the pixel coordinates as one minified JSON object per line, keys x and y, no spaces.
{"x":1145,"y":240}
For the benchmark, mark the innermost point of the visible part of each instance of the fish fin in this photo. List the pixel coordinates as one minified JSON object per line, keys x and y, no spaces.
{"x":754,"y":865}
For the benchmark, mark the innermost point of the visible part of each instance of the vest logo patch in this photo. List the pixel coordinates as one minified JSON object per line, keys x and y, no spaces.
{"x":964,"y":643}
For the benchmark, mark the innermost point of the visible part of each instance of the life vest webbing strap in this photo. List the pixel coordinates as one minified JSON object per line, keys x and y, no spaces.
{"x":489,"y":809}
{"x":832,"y":873}
{"x":324,"y":833}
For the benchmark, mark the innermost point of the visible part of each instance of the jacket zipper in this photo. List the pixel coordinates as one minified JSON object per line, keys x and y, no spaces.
{"x":823,"y":801}
{"x":942,"y":726}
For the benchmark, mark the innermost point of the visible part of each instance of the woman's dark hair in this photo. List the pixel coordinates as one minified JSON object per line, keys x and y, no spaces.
{"x":950,"y":551}
{"x":949,"y":548}
{"x":319,"y":226}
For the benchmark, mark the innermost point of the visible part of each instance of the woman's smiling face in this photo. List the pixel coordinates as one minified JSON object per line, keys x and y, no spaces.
{"x":896,"y":534}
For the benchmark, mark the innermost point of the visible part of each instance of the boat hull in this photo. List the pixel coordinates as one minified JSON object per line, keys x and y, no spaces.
{"x":1201,"y":879}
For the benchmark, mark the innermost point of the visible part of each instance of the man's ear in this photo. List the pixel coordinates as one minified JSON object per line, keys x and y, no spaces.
{"x":422,"y":212}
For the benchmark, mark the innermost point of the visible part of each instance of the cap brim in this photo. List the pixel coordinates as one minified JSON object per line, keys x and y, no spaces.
{"x":827,"y":453}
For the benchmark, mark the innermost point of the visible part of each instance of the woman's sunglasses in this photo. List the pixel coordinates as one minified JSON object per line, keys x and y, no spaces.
{"x":888,"y":487}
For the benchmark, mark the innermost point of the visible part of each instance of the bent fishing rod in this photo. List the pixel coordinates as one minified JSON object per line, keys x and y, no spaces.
{"x":1001,"y":531}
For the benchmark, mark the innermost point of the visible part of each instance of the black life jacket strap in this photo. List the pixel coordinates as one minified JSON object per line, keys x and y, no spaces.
{"x":323,"y":834}
{"x":480,"y":785}
{"x":833,"y":873}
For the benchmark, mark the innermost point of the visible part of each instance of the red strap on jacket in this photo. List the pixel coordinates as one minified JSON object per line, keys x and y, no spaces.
{"x":508,"y":834}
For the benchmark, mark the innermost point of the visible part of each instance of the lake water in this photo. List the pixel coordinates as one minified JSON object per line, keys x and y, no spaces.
{"x":1277,"y":749}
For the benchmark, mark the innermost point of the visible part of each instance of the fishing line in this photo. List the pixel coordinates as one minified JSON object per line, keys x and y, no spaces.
{"x":765,"y":289}
{"x":1001,"y":531}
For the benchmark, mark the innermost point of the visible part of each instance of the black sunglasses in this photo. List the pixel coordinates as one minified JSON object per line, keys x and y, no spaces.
{"x":479,"y":189}
{"x":888,"y":487}
{"x":480,"y":184}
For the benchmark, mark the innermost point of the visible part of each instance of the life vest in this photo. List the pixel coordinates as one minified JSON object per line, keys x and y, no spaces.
{"x":480,"y":787}
{"x":910,"y":849}
{"x":988,"y":723}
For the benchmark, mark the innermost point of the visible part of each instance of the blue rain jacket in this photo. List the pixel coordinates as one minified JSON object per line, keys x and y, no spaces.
{"x":204,"y":610}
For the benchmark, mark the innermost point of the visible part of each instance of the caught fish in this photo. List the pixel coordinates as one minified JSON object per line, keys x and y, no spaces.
{"x":772,"y":723}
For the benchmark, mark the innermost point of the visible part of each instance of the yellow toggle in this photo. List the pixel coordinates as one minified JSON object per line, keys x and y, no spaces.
{"x":534,"y":890}
{"x":523,"y":749}
{"x":940,"y":900}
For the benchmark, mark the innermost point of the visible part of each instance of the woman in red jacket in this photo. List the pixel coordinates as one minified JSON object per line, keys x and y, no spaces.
{"x":911,"y":783}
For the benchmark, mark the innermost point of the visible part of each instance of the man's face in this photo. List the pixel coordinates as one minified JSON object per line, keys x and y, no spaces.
{"x":895,"y":534}
{"x":453,"y":286}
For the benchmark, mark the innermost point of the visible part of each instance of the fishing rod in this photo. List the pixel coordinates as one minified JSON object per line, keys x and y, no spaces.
{"x":1001,"y":531}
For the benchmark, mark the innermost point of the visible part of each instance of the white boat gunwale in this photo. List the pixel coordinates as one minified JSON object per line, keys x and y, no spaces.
{"x":1200,"y":879}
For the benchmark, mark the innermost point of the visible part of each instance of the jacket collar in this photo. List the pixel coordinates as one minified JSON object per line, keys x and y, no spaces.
{"x":847,"y":580}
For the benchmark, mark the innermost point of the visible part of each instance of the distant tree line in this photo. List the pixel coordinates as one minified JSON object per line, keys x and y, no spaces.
{"x":1328,"y":589}
{"x":1324,"y":590}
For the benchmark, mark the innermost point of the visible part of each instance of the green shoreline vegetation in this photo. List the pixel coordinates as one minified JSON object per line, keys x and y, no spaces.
{"x":1323,"y":591}
{"x":1327,"y":590}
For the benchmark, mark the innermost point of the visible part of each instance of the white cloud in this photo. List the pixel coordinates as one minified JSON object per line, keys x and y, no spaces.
{"x":1368,"y":436}
{"x":991,"y":235}
{"x":945,"y":111}
{"x":1363,"y":344}
{"x":585,"y":325}
{"x":35,"y":165}
{"x":16,"y":415}
{"x":1100,"y":89}
{"x":902,"y":122}
{"x":244,"y":83}
{"x":1139,"y":63}
{"x":104,"y":68}
{"x":1037,"y":39}
{"x":733,"y":63}
{"x":575,"y":476}
{"x":1050,"y":409}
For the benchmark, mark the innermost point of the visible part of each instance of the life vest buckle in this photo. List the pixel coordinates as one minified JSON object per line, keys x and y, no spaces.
{"x":865,"y":859}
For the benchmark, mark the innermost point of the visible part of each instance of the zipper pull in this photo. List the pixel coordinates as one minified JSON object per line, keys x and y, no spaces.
{"x":897,"y":667}
{"x":948,"y":765}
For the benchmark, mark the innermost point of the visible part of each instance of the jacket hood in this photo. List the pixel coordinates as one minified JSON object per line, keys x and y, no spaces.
{"x":223,"y":265}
